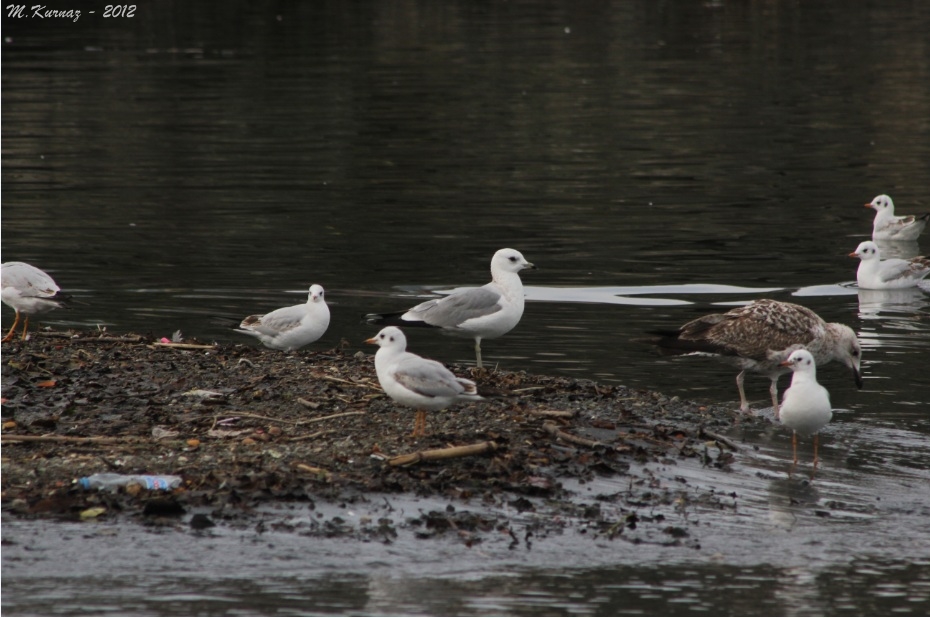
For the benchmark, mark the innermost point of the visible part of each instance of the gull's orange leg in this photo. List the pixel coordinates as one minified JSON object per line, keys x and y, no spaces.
{"x":419,"y":425}
{"x":25,"y":328}
{"x":794,"y":451}
{"x":9,"y":335}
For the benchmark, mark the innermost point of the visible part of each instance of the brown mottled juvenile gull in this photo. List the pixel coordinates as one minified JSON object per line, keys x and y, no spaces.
{"x":887,"y":226}
{"x":874,"y":273}
{"x":805,"y":407}
{"x":761,"y":335}
{"x":414,"y":381}
{"x":29,"y":291}
{"x":482,"y":313}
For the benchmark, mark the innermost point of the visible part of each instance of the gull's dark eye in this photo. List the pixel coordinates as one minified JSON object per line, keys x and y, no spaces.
{"x":855,"y":353}
{"x":392,"y":338}
{"x":512,"y":258}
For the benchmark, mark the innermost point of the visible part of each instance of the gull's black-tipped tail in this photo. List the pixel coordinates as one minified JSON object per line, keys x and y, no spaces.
{"x":393,"y":319}
{"x":669,"y":342}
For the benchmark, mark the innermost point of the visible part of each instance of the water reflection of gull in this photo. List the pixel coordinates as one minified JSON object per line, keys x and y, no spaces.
{"x":907,"y":300}
{"x":903,"y":249}
{"x":788,"y":498}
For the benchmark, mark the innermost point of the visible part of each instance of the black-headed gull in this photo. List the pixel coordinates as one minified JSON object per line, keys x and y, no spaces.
{"x":290,"y":328}
{"x":415,"y":381}
{"x":874,"y":273}
{"x":805,"y":407}
{"x":761,"y":335}
{"x":29,"y":291}
{"x":887,"y":226}
{"x":482,"y":313}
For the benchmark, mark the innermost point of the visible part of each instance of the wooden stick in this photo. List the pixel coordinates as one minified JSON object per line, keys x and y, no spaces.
{"x":106,"y":339}
{"x":554,"y":430}
{"x":722,"y":439}
{"x":444,"y":453}
{"x":313,"y":470}
{"x":72,"y":439}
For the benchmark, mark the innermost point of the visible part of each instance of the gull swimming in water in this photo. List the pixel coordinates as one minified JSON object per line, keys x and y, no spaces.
{"x":805,"y":407}
{"x":482,"y":313}
{"x":290,"y":328}
{"x":874,"y":273}
{"x":760,"y":336}
{"x":415,"y":381}
{"x":29,"y":291}
{"x":887,"y":226}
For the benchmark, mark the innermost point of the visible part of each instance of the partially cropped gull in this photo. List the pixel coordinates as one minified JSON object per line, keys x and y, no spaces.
{"x":29,"y":291}
{"x":414,"y":381}
{"x":290,"y":328}
{"x":481,"y":313}
{"x":760,"y":336}
{"x":874,"y":273}
{"x":887,"y":226}
{"x":805,"y":407}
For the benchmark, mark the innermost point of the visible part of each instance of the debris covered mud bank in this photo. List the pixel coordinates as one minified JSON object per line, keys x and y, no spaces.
{"x":248,"y":428}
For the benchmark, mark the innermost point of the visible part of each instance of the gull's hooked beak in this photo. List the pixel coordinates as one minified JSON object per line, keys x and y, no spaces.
{"x":373,"y":340}
{"x":786,"y":363}
{"x":869,"y":205}
{"x":854,"y":254}
{"x":530,"y":265}
{"x":857,"y":376}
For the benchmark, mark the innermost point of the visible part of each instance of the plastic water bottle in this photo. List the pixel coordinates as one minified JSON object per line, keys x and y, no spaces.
{"x":112,"y":481}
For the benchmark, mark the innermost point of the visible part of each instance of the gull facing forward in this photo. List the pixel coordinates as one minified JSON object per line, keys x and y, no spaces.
{"x":292,"y":327}
{"x":805,"y":407}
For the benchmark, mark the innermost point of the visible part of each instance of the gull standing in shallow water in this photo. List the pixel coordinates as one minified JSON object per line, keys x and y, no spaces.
{"x":874,"y":273}
{"x":759,"y":336}
{"x":293,"y":327}
{"x":29,"y":291}
{"x":887,"y":226}
{"x":482,"y":313}
{"x":805,"y":408}
{"x":415,"y":381}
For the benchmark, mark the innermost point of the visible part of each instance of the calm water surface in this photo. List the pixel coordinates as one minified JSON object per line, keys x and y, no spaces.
{"x":657,"y":161}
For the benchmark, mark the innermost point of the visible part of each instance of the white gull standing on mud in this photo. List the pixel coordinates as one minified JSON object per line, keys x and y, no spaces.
{"x":290,"y":328}
{"x":414,"y":381}
{"x":29,"y":291}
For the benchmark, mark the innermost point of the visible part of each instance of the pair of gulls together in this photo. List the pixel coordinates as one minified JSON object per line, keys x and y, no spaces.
{"x":772,"y":337}
{"x":875,"y":273}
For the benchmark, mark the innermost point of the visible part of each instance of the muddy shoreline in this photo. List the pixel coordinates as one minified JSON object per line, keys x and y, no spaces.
{"x":248,"y":428}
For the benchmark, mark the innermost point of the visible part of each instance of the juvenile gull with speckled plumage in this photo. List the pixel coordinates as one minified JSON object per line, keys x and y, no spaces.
{"x":760,"y":336}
